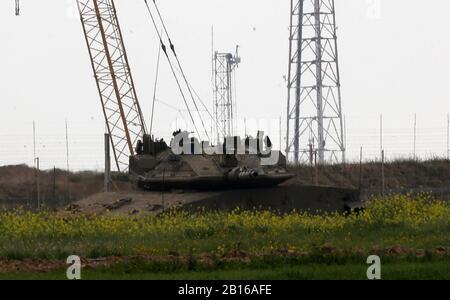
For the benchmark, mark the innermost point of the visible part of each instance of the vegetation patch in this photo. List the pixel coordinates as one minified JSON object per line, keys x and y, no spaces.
{"x":399,"y":228}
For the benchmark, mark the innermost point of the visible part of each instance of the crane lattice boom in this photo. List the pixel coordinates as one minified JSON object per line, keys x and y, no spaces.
{"x":123,"y":115}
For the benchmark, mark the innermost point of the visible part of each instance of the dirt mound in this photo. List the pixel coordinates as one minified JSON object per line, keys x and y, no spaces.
{"x":399,"y":175}
{"x":57,"y":187}
{"x":132,"y":202}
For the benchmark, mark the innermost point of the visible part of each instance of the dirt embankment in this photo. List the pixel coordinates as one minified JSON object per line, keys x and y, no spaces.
{"x":407,"y":174}
{"x":57,"y":187}
{"x":17,"y":183}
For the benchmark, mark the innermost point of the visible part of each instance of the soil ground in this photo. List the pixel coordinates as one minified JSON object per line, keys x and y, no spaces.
{"x":59,"y":188}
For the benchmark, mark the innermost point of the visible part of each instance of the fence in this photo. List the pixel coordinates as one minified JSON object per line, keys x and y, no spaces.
{"x":423,"y":136}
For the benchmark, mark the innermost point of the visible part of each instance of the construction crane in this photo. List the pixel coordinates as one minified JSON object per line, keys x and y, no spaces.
{"x":123,"y":115}
{"x":122,"y":112}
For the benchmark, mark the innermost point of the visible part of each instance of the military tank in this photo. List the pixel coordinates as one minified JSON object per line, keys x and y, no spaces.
{"x":188,"y":164}
{"x":237,"y":173}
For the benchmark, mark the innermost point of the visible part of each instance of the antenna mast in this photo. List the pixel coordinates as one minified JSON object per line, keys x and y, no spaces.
{"x":224,"y":67}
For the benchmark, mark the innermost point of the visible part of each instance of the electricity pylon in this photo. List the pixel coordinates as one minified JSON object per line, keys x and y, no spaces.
{"x":314,"y":110}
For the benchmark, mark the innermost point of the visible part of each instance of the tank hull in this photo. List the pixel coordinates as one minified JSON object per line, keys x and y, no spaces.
{"x":211,"y":183}
{"x":283,"y":199}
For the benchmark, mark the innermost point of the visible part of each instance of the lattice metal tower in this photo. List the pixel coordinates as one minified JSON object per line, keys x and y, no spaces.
{"x":224,"y":108}
{"x":314,"y":112}
{"x":112,"y":73}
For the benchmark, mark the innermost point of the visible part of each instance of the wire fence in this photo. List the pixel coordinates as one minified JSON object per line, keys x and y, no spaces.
{"x":414,"y":136}
{"x":404,"y":137}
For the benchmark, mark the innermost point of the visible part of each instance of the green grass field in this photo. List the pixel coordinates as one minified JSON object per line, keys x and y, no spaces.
{"x":410,"y":234}
{"x":390,"y":271}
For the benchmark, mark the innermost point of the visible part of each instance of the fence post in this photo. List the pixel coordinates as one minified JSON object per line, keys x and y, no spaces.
{"x":382,"y":174}
{"x":38,"y":185}
{"x":360,"y":168}
{"x":107,"y":182}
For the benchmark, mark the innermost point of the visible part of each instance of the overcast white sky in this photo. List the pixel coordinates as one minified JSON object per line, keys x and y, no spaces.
{"x":394,"y":59}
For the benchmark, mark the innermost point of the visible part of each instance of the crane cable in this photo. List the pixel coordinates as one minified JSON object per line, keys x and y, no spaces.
{"x":164,"y":49}
{"x":172,"y":47}
{"x":203,"y":104}
{"x":154,"y":90}
{"x":179,"y":111}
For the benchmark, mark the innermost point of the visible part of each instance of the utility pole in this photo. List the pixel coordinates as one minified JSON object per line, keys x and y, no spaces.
{"x":382,"y":174}
{"x":360,"y":168}
{"x":107,"y":183}
{"x":345,"y":138}
{"x":448,"y":136}
{"x":245,"y":127}
{"x":281,"y":141}
{"x":34,"y":144}
{"x":311,"y":161}
{"x":67,"y":164}
{"x":415,"y":135}
{"x":36,"y":167}
{"x":381,"y":134}
{"x":314,"y":106}
{"x":163,"y":203}
{"x":316,"y":168}
{"x":38,"y":184}
{"x":54,"y":184}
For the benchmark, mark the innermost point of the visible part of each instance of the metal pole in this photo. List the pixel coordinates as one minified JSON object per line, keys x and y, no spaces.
{"x":36,"y":166}
{"x":415,"y":135}
{"x":107,"y":182}
{"x":245,"y":129}
{"x":319,"y":83}
{"x":345,"y":137}
{"x":67,"y":164}
{"x":382,"y":174}
{"x":298,"y":86}
{"x":281,"y":140}
{"x":163,"y":189}
{"x":34,"y":144}
{"x":360,"y":168}
{"x":316,"y":168}
{"x":214,"y":134}
{"x":448,"y":136}
{"x":338,"y":80}
{"x":311,"y":161}
{"x":381,"y":134}
{"x":54,"y":184}
{"x":38,"y":184}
